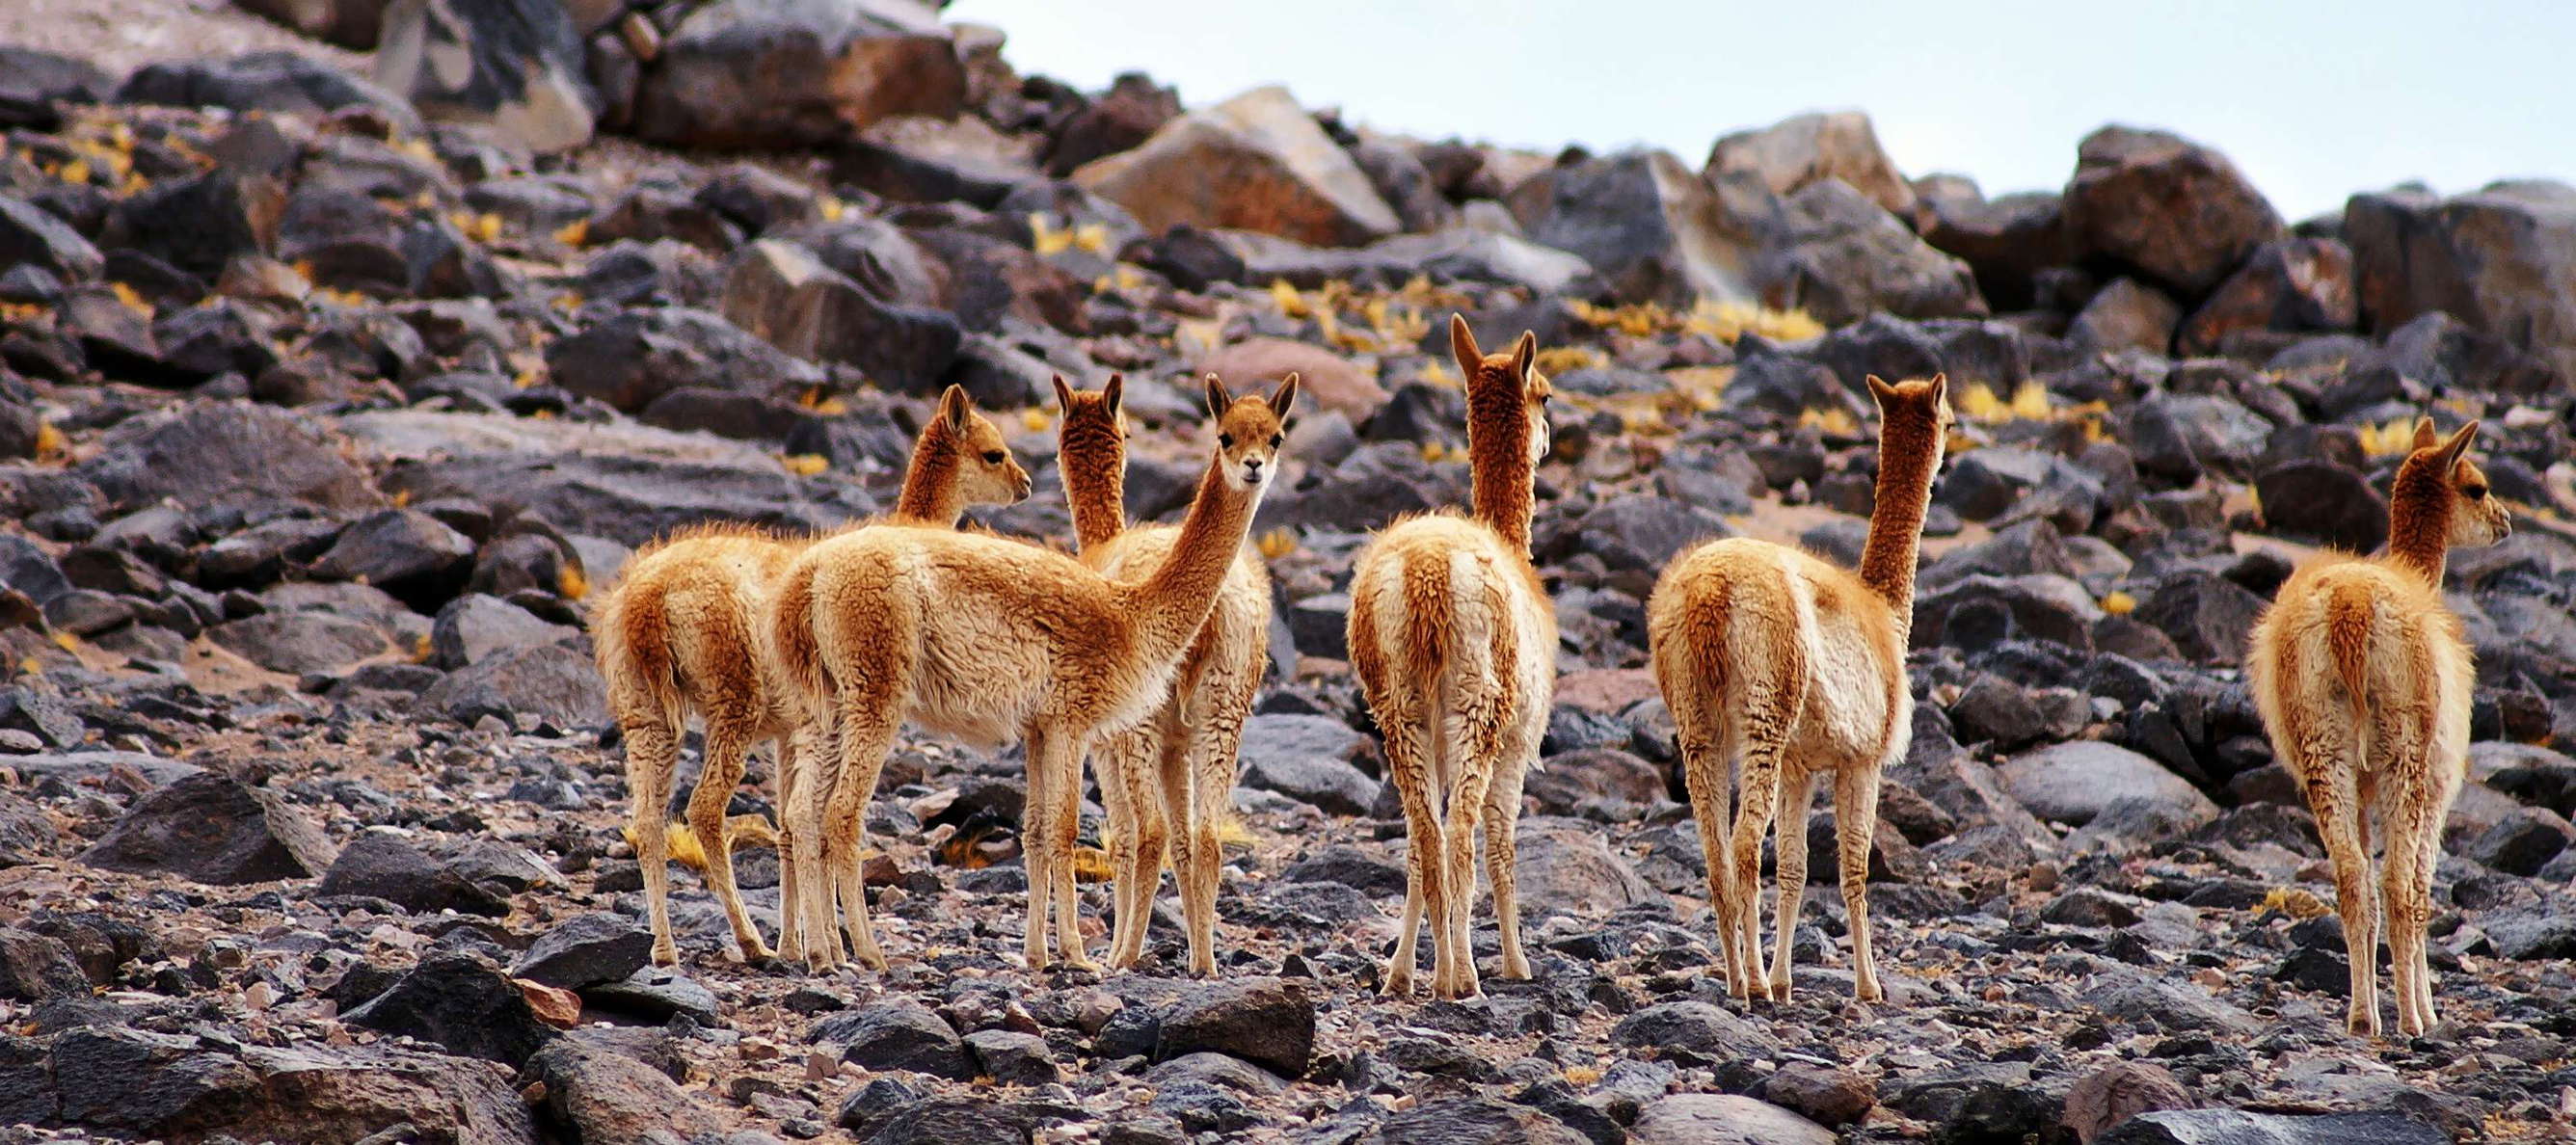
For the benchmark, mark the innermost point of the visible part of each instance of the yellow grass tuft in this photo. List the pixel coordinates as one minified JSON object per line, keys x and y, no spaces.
{"x":1701,"y":386}
{"x":1230,"y":832}
{"x":571,"y":583}
{"x":568,"y":301}
{"x":2029,"y":402}
{"x":66,"y":641}
{"x":1637,"y":320}
{"x":420,"y":648}
{"x":27,"y":666}
{"x":132,"y":301}
{"x":1091,"y":865}
{"x":50,"y":442}
{"x":1093,"y":237}
{"x":417,"y":148}
{"x":1395,"y":323}
{"x":2395,"y":437}
{"x":1830,"y":422}
{"x":1582,"y":1074}
{"x":2119,"y":604}
{"x":1727,"y":321}
{"x":1562,"y":359}
{"x":832,"y":208}
{"x":573,"y":234}
{"x":2294,"y":902}
{"x":402,"y":498}
{"x":1286,"y":298}
{"x":76,"y":171}
{"x":805,"y":464}
{"x":685,"y":849}
{"x":1035,"y":419}
{"x":1277,"y":543}
{"x":1120,"y":277}
{"x":1437,"y":374}
{"x":1045,"y":238}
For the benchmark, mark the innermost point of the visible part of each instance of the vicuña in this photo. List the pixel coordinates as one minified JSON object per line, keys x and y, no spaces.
{"x":2363,"y":678}
{"x":1175,"y":771}
{"x":1454,"y":641}
{"x":1792,"y":667}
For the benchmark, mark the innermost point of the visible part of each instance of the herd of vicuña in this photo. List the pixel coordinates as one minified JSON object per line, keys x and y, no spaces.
{"x":1144,"y":650}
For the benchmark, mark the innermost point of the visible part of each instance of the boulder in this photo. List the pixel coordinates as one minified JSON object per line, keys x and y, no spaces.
{"x":475,"y":626}
{"x":602,"y":1094}
{"x":1455,"y":1120}
{"x":1651,"y":229}
{"x":1722,"y":1119}
{"x":587,"y":950}
{"x":785,"y":294}
{"x":406,"y":552}
{"x":383,"y":864}
{"x":1691,"y":1029}
{"x":2126,"y":315}
{"x":2502,"y":259}
{"x":353,"y":24}
{"x":200,"y":225}
{"x":1798,"y":152}
{"x":179,"y":1087}
{"x":1309,"y":759}
{"x":1331,"y":381}
{"x":1570,"y":869}
{"x":2208,"y":616}
{"x":2175,"y":211}
{"x":552,"y":682}
{"x":517,"y":65}
{"x":2181,"y":437}
{"x":2315,"y":499}
{"x":794,"y":73}
{"x":212,"y":828}
{"x":2073,"y":782}
{"x":226,"y":450}
{"x":2291,"y":285}
{"x":2006,"y":241}
{"x":32,"y":236}
{"x":462,"y":1002}
{"x":35,"y":84}
{"x":1839,"y":257}
{"x":2119,"y":1091}
{"x":301,"y":643}
{"x":1256,"y":162}
{"x":38,"y":968}
{"x":899,"y":1034}
{"x":2241,"y":1127}
{"x":1269,"y":1022}
{"x":1124,"y":117}
{"x":637,"y":356}
{"x":277,"y":82}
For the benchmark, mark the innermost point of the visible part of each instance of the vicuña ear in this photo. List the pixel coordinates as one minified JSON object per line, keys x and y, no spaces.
{"x":1063,"y":395}
{"x":1218,"y":399}
{"x":2458,"y":447}
{"x":955,"y":406}
{"x":2425,"y":437}
{"x":1524,"y":354}
{"x":1880,"y":391}
{"x":1940,"y":389}
{"x":1113,"y":392}
{"x":1462,"y":345}
{"x":1285,"y":397}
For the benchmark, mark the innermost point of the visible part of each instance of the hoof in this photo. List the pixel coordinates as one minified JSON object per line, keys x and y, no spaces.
{"x":666,"y":956}
{"x":1396,"y":986}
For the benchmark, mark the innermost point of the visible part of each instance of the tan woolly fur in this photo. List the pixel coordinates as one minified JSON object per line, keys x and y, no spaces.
{"x":2363,"y":678}
{"x":1454,"y":641}
{"x":990,"y":639}
{"x":1789,"y":667}
{"x":1171,"y":777}
{"x":680,"y":633}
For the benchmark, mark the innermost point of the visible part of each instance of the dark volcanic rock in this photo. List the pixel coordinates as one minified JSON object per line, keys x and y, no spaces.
{"x":405,"y":552}
{"x":462,"y":1002}
{"x":587,"y":950}
{"x":898,"y":1034}
{"x":1267,"y":1021}
{"x":1465,"y":1120}
{"x":29,"y":236}
{"x":382,"y":864}
{"x":1695,"y":1030}
{"x":2175,"y":210}
{"x":2238,"y":1127}
{"x":279,"y":82}
{"x":600,"y":1094}
{"x":211,"y":828}
{"x":2502,"y":260}
{"x":1695,"y":1118}
{"x":517,"y":65}
{"x":1309,"y":758}
{"x":2119,"y":1091}
{"x":37,"y":968}
{"x":638,"y":356}
{"x":753,"y":73}
{"x":2319,"y":500}
{"x":238,"y":450}
{"x":1650,"y":228}
{"x":2208,"y":616}
{"x":550,"y":681}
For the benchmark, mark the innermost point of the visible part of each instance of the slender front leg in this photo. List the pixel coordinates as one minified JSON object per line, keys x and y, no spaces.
{"x":1502,"y":853}
{"x":1036,"y":815}
{"x":728,"y":742}
{"x":1062,"y":758}
{"x":1789,"y":843}
{"x":1856,"y":826}
{"x":791,"y":943}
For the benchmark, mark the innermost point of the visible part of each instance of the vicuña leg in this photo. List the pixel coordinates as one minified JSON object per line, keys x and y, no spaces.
{"x":1137,"y":838}
{"x":1705,"y":754}
{"x":1789,"y":845}
{"x":1502,"y":854}
{"x":808,"y":802}
{"x":1214,"y":747}
{"x":2336,"y":801}
{"x":791,"y":944}
{"x":1408,"y":764}
{"x":652,"y":752}
{"x":1855,"y":825}
{"x":1059,"y":752}
{"x":870,"y":717}
{"x":728,"y":741}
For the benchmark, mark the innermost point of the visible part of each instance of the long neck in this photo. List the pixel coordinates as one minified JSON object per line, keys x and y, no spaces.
{"x":1094,"y":464}
{"x":1905,"y":467}
{"x":1498,"y":450}
{"x":2419,"y":531}
{"x":1172,"y":604}
{"x":930,"y":480}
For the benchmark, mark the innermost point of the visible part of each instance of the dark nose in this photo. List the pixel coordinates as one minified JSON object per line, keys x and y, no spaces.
{"x":1252,"y":464}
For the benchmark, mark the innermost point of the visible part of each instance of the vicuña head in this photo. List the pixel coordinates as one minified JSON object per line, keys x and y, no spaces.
{"x":1506,"y":402}
{"x":1250,"y":430}
{"x":960,"y":460}
{"x":1091,"y":452}
{"x":2441,"y":501}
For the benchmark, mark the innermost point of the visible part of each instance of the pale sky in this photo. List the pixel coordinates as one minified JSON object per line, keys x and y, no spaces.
{"x":2313,"y":100}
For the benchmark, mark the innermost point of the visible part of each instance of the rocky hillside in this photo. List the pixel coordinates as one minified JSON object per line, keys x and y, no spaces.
{"x":333,"y":387}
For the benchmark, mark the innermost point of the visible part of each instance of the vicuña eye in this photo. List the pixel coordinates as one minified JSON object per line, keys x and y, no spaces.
{"x":1225,"y":440}
{"x":1276,"y":438}
{"x":993,"y":457}
{"x":2476,"y":492}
